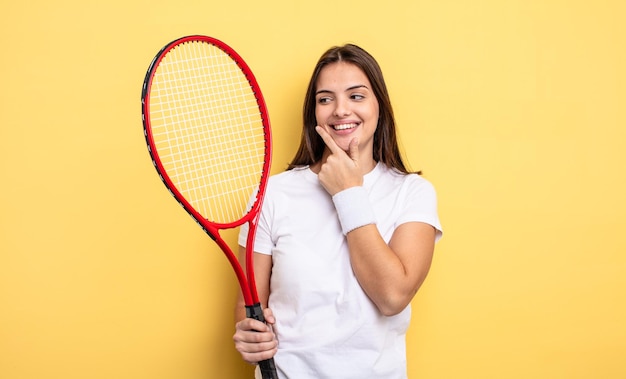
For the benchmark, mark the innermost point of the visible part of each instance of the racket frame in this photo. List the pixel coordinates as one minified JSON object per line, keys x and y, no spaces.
{"x":245,"y":277}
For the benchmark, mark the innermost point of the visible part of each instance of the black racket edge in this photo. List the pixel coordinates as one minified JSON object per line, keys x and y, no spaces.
{"x":147,"y":82}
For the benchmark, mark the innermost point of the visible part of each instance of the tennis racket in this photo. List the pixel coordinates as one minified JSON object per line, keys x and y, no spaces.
{"x":208,"y":133}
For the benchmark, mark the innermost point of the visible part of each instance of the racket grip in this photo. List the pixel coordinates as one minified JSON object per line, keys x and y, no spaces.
{"x":255,"y":311}
{"x":268,"y":368}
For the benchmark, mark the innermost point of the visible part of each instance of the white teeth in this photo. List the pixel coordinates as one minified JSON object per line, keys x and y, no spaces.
{"x":345,"y":126}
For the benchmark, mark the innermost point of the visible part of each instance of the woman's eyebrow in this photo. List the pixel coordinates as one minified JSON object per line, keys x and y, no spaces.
{"x":357,"y":86}
{"x":323,"y":91}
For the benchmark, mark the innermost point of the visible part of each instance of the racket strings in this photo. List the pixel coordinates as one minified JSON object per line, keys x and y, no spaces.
{"x":208,"y":130}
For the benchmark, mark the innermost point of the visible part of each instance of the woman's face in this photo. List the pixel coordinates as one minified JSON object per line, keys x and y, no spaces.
{"x":346,"y":106}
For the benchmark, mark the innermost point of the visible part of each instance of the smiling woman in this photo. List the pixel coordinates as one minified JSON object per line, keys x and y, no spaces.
{"x":346,"y":236}
{"x":347,"y":108}
{"x":369,"y":74}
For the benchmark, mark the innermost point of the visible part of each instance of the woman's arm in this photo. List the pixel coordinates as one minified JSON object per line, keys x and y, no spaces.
{"x":390,"y":274}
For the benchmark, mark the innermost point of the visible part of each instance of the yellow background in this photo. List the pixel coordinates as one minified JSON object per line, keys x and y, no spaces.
{"x":515,"y":110}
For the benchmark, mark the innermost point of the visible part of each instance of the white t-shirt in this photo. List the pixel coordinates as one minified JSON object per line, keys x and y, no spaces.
{"x":327,"y":327}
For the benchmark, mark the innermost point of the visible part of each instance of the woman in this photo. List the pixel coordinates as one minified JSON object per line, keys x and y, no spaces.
{"x":346,"y":236}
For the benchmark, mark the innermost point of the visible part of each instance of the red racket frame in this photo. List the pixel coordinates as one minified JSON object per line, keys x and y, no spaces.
{"x":246,"y":282}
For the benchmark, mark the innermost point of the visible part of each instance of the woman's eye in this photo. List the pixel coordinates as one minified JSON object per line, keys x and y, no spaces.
{"x":357,"y":96}
{"x":323,"y":100}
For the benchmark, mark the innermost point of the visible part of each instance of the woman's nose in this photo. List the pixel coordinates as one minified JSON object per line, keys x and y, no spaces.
{"x":342,"y":108}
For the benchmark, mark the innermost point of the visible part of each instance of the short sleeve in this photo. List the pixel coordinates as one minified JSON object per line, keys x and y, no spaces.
{"x":263,"y":240}
{"x":419,"y":203}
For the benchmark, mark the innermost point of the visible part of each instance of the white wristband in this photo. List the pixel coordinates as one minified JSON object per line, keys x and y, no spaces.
{"x":353,"y":209}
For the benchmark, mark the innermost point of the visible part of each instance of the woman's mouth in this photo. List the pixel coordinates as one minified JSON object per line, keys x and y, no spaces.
{"x":346,"y":126}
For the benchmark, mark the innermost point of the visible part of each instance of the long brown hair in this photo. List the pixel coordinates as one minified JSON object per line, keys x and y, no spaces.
{"x":385,"y":140}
